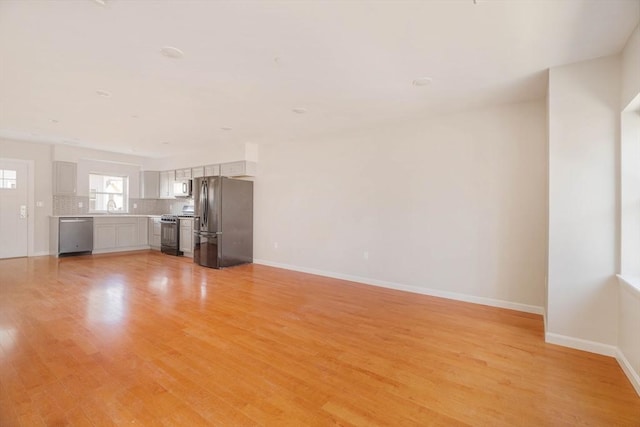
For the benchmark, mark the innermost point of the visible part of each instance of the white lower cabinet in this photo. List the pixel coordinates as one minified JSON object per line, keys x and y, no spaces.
{"x":143,"y":231}
{"x":186,"y":236}
{"x":104,"y":235}
{"x":126,"y":235}
{"x":155,"y":235}
{"x":113,"y":234}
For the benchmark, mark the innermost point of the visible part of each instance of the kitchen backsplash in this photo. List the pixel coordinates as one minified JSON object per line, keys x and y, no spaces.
{"x":70,"y":205}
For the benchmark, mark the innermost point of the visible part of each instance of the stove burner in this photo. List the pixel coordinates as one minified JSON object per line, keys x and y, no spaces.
{"x":167,"y":218}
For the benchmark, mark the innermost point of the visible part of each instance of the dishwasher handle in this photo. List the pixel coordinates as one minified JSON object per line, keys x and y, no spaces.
{"x":76,"y":219}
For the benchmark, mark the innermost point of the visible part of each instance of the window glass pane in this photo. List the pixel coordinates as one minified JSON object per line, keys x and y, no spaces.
{"x":108,"y":193}
{"x":7,"y":179}
{"x":108,"y":202}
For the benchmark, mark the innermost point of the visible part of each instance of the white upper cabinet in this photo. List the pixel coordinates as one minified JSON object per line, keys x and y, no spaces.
{"x":149,"y":184}
{"x":212,"y":170}
{"x":241,"y":168}
{"x":166,"y":184}
{"x":183,"y":174}
{"x":197,"y":172}
{"x":64,"y":178}
{"x":232,"y":169}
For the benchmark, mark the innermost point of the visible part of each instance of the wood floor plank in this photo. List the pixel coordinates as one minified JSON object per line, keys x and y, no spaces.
{"x":149,"y":339}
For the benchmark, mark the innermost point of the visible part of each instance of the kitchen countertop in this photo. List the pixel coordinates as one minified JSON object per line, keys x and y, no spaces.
{"x":106,"y":216}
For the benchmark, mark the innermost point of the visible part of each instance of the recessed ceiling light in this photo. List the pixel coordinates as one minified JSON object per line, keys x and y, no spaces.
{"x":299,"y":110}
{"x":55,"y":121}
{"x":172,"y":52}
{"x":103,"y":93}
{"x":423,"y":81}
{"x":226,"y":128}
{"x":165,"y":143}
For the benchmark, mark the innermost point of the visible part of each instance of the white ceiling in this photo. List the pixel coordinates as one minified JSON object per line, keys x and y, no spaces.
{"x":246,"y":64}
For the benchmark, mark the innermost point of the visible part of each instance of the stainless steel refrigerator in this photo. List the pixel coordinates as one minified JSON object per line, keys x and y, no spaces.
{"x":223,"y":225}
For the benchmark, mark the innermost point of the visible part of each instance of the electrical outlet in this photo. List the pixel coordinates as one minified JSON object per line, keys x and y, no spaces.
{"x":135,"y":206}
{"x":80,"y":204}
{"x":39,"y":204}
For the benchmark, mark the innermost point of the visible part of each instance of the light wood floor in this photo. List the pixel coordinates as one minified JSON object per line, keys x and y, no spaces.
{"x":149,"y":339}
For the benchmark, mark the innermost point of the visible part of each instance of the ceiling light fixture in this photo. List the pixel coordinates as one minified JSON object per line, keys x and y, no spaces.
{"x":103,"y":93}
{"x":422,"y":81}
{"x":55,"y":121}
{"x":172,"y":52}
{"x":299,"y":110}
{"x":101,"y":2}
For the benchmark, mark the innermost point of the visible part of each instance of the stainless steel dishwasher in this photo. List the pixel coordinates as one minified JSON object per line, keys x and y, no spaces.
{"x":76,"y":235}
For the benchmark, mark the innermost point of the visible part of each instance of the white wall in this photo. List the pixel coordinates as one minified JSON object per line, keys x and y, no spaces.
{"x":104,"y":162}
{"x":40,"y":154}
{"x":628,"y":342}
{"x":86,"y":167}
{"x":630,"y":193}
{"x":453,"y":203}
{"x":221,"y":152}
{"x":584,"y":102}
{"x":629,"y":296}
{"x":631,"y":68}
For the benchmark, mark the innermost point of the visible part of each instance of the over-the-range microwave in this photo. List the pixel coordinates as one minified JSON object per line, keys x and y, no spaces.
{"x":182,"y":188}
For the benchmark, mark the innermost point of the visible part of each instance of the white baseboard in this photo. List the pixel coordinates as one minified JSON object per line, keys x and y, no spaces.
{"x":41,"y":253}
{"x":580,"y":344}
{"x":414,"y":289}
{"x":633,"y":376}
{"x":113,"y":250}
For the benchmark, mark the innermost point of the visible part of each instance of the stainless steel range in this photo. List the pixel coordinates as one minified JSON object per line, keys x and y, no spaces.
{"x":170,"y":235}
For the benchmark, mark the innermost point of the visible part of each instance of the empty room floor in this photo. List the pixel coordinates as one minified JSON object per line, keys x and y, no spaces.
{"x":149,"y":339}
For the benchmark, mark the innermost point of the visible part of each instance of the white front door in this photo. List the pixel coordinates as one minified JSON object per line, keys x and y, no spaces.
{"x":13,"y":208}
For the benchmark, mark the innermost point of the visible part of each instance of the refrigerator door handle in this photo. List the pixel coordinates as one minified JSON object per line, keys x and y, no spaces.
{"x":204,"y":203}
